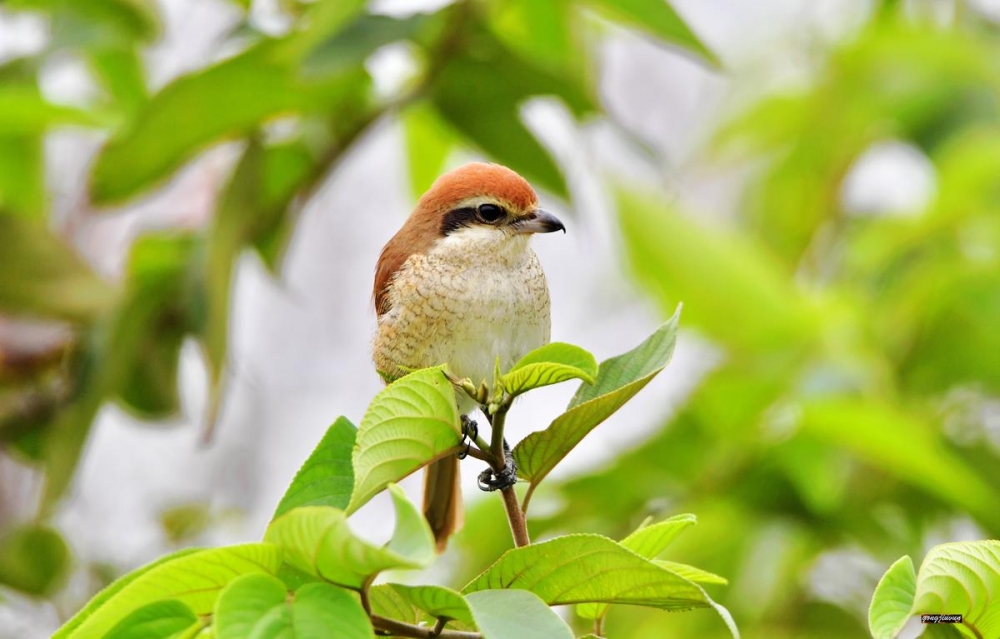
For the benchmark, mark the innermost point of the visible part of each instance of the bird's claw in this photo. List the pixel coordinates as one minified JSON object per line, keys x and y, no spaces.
{"x":470,"y":430}
{"x":490,"y":481}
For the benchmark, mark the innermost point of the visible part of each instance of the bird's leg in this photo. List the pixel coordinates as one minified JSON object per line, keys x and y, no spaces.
{"x":490,"y":480}
{"x":470,"y":431}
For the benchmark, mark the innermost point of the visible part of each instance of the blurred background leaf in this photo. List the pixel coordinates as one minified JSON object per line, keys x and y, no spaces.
{"x":846,"y":409}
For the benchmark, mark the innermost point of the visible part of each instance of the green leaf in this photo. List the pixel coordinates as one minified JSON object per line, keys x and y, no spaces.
{"x":193,"y":578}
{"x":243,"y":603}
{"x":229,"y":99}
{"x":692,"y":573}
{"x":326,"y":478}
{"x":411,"y":423}
{"x":165,"y":619}
{"x":550,"y":364}
{"x":114,"y":588}
{"x":546,"y":33}
{"x":893,"y":599}
{"x":618,"y":380}
{"x":515,"y":614}
{"x":259,"y":608}
{"x":591,"y":568}
{"x":904,"y":446}
{"x":41,"y":275}
{"x":156,"y":315}
{"x":318,"y":541}
{"x":23,"y":111}
{"x":22,"y":176}
{"x":658,"y":18}
{"x":481,"y":96}
{"x":961,"y":578}
{"x":385,"y":600}
{"x":253,"y":209}
{"x":648,"y":541}
{"x":96,"y":23}
{"x":33,"y":559}
{"x":361,"y":37}
{"x":438,"y":602}
{"x":677,"y":259}
{"x":321,"y":611}
{"x":122,"y":76}
{"x":429,"y":141}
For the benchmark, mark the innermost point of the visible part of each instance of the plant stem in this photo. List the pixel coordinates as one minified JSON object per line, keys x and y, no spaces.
{"x":402,"y":629}
{"x":515,"y":517}
{"x":498,"y":461}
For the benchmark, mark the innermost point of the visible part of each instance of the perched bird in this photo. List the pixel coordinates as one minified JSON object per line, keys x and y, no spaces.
{"x":459,"y":285}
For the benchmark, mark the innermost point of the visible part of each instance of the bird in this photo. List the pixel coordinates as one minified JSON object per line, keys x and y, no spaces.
{"x":459,"y":284}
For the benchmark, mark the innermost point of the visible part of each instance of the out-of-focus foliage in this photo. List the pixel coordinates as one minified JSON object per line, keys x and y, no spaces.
{"x":860,"y":352}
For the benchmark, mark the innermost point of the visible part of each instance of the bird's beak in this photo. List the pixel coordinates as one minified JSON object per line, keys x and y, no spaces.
{"x":538,"y":221}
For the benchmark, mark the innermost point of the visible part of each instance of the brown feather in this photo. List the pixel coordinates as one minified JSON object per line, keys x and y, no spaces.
{"x":423,"y":227}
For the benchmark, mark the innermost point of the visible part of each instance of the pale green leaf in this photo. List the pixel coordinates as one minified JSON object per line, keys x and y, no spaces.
{"x":327,"y":477}
{"x":318,"y":541}
{"x":244,"y":602}
{"x":647,"y":541}
{"x":650,"y":540}
{"x":658,"y":18}
{"x":590,"y":568}
{"x":194,"y":579}
{"x":411,"y":423}
{"x":962,"y":578}
{"x":550,"y":364}
{"x":893,"y":599}
{"x":692,"y":573}
{"x":618,"y":380}
{"x":166,"y":619}
{"x":515,"y":614}
{"x":438,"y":602}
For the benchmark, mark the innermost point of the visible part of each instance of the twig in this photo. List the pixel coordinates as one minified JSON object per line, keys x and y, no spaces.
{"x":403,"y":629}
{"x":498,"y":461}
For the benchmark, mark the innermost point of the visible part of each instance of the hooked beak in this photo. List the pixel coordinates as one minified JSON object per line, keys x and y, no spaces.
{"x":538,"y":221}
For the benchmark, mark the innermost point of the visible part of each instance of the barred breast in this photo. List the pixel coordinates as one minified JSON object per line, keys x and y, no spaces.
{"x":464,"y":303}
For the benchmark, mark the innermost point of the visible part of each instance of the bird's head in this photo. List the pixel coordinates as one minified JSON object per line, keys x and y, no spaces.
{"x":484,"y":202}
{"x":474,"y":208}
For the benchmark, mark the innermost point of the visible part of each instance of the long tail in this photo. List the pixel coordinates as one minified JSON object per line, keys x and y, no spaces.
{"x":443,"y":499}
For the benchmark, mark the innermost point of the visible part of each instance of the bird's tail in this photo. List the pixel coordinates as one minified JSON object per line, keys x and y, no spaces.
{"x":443,"y":499}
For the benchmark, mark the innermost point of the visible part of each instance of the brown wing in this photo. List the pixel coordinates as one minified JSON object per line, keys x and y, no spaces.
{"x":417,"y":236}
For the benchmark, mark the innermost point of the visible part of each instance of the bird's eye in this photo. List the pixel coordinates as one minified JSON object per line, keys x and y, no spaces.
{"x":490,"y":212}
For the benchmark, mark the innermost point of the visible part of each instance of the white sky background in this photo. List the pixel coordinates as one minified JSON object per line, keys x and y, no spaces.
{"x":300,"y":347}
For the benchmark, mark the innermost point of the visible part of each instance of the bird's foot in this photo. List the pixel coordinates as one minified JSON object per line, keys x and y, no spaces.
{"x":470,"y":430}
{"x":490,"y":481}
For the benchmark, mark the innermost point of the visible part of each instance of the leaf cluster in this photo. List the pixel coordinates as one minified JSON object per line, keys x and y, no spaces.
{"x":312,"y":576}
